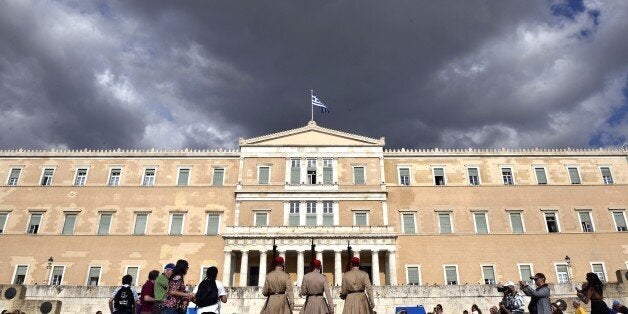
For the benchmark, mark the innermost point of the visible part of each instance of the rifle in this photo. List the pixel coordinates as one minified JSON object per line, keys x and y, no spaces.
{"x":348,"y":267}
{"x":272,"y":263}
{"x":313,"y":252}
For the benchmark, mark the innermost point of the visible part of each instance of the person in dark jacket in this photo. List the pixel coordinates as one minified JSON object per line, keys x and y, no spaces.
{"x":540,"y":303}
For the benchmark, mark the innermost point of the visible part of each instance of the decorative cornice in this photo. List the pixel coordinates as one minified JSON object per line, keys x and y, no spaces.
{"x":120,"y":153}
{"x":471,"y":152}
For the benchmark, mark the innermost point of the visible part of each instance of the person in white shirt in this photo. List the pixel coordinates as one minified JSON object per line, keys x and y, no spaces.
{"x":211,"y":274}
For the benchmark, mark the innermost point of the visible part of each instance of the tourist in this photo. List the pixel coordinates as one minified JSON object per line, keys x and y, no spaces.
{"x":475,"y":309}
{"x":618,"y":308}
{"x":540,"y":302}
{"x":512,"y":302}
{"x":593,"y":290}
{"x":177,"y":298}
{"x":206,"y":290}
{"x":357,"y":291}
{"x":124,"y":298}
{"x":278,"y":290}
{"x":577,"y":308}
{"x":315,"y":288}
{"x":147,"y":295}
{"x":161,"y":287}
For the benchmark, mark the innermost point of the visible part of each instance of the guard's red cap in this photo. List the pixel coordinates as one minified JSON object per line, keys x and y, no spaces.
{"x":355,"y":260}
{"x":316,"y":263}
{"x":279,"y":260}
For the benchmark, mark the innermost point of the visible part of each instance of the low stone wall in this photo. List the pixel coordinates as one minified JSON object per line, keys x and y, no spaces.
{"x":455,"y":299}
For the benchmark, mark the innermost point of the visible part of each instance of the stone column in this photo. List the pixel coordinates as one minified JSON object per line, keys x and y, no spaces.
{"x":300,"y":266}
{"x":244,"y":268}
{"x":337,"y":268}
{"x":392,"y":265}
{"x":262,"y":268}
{"x":226,"y":271}
{"x":375,"y":267}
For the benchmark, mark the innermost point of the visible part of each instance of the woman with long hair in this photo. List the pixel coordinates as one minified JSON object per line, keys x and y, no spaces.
{"x":593,"y":290}
{"x":211,"y":284}
{"x":177,"y":298}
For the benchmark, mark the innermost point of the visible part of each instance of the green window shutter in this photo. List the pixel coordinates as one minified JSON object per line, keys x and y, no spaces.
{"x":3,"y":221}
{"x":480,"y":223}
{"x":541,"y":178}
{"x":526,"y":272}
{"x":218,"y":179}
{"x":176,"y":227}
{"x":573,"y":175}
{"x":140,"y":224}
{"x":213,"y":223}
{"x":328,"y":175}
{"x":295,"y":175}
{"x":68,"y":225}
{"x":620,"y":221}
{"x":261,"y":219}
{"x":360,"y":219}
{"x":104,"y":224}
{"x":328,"y":219}
{"x":94,"y":272}
{"x":310,"y":220}
{"x":517,"y":225}
{"x":263,"y":175}
{"x":184,"y":175}
{"x":450,"y":273}
{"x":439,"y":172}
{"x":133,"y":271}
{"x":408,"y":224}
{"x":473,"y":172}
{"x":358,"y":175}
{"x":413,"y":275}
{"x":489,"y":274}
{"x":445,"y":223}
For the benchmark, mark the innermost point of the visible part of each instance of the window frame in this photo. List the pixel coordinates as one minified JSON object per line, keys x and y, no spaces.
{"x":363,"y":174}
{"x":172,"y":214}
{"x":544,"y":167}
{"x":528,"y":280}
{"x":469,"y":175}
{"x":89,"y":268}
{"x":610,"y":170}
{"x":136,"y":214}
{"x":76,"y":176}
{"x":512,"y":174}
{"x":557,"y":273}
{"x":19,"y":176}
{"x":523,"y":225}
{"x":43,"y":172}
{"x":110,"y":223}
{"x":331,"y":167}
{"x":52,"y":268}
{"x":261,"y":211}
{"x":433,"y":167}
{"x":555,"y":212}
{"x":259,"y":171}
{"x":451,"y":222}
{"x":135,"y":281}
{"x":30,"y":218}
{"x":110,"y":176}
{"x":144,"y":176}
{"x":457,"y":274}
{"x":332,"y":214}
{"x":494,"y":273}
{"x":224,"y":172}
{"x":310,"y":215}
{"x":591,"y":263}
{"x":590,"y":213}
{"x":361,"y":211}
{"x":567,"y":167}
{"x":399,"y":180}
{"x":418,"y":267}
{"x":189,"y":169}
{"x":475,"y":224}
{"x":623,"y":214}
{"x":207,"y":223}
{"x":65,"y":220}
{"x":13,"y":278}
{"x":403,"y":225}
{"x":3,"y":227}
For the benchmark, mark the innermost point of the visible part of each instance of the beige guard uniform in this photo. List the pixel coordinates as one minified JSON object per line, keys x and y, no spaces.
{"x":359,"y":292}
{"x":278,"y":290}
{"x":314,"y":286}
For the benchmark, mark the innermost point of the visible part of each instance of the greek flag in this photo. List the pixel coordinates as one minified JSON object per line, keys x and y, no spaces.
{"x":317,"y":102}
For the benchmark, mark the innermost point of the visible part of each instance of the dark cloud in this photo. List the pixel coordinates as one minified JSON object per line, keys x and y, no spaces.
{"x":201,"y":74}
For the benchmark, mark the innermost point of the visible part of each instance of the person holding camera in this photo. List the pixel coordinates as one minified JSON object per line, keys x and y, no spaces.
{"x":540,"y":303}
{"x":512,"y":302}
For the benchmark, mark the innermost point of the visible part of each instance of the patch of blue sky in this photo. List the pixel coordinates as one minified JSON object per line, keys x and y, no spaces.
{"x":162,"y":111}
{"x":104,"y":9}
{"x":617,"y":117}
{"x":568,"y":8}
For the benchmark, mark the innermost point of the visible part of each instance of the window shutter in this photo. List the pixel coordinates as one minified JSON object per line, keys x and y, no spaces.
{"x":57,"y":271}
{"x":103,"y":225}
{"x":35,"y":219}
{"x":140,"y":224}
{"x":15,"y":174}
{"x":473,"y":172}
{"x":489,"y":273}
{"x":445,"y":223}
{"x":261,"y":219}
{"x":439,"y":172}
{"x":184,"y":174}
{"x":3,"y":221}
{"x":328,"y":175}
{"x":263,"y":175}
{"x":540,"y":176}
{"x":68,"y":225}
{"x":408,"y":224}
{"x":573,"y":174}
{"x":94,"y":272}
{"x":515,"y":220}
{"x":218,"y":177}
{"x":450,"y":273}
{"x":212,"y":223}
{"x":526,"y":272}
{"x":328,"y":219}
{"x":404,"y":172}
{"x":360,"y":219}
{"x":295,"y":175}
{"x":413,"y":275}
{"x":358,"y":174}
{"x":480,"y":223}
{"x":619,"y":221}
{"x":177,"y":224}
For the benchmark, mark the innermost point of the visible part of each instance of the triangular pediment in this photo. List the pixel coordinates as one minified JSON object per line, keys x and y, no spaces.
{"x":312,"y":135}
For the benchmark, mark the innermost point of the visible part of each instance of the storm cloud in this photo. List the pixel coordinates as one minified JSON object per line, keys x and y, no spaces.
{"x":201,"y":74}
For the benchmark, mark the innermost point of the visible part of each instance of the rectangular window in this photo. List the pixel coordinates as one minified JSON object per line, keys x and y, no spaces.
{"x":408,"y":223}
{"x":261,"y":219}
{"x":561,"y":273}
{"x":213,"y":224}
{"x":507,"y":176}
{"x":104,"y":225}
{"x":525,"y":272}
{"x":176,"y":224}
{"x":311,"y":171}
{"x":551,"y":222}
{"x":295,"y":171}
{"x":361,"y":218}
{"x":149,"y":177}
{"x":141,"y":219}
{"x":56,"y":277}
{"x":607,"y":178}
{"x":114,"y":176}
{"x":541,"y":177}
{"x":328,"y":213}
{"x":263,"y":175}
{"x":33,"y":224}
{"x":585,"y":221}
{"x":444,"y":223}
{"x":93,"y":276}
{"x":439,"y":176}
{"x":184,"y":177}
{"x":358,"y":175}
{"x":516,"y":222}
{"x":488,"y":273}
{"x":81,"y":177}
{"x":598,"y":269}
{"x":46,"y":177}
{"x":451,"y":274}
{"x":68,"y":224}
{"x":134,"y":271}
{"x":294,"y":216}
{"x":481,"y":223}
{"x":620,"y":220}
{"x":3,"y":221}
{"x":219,"y":177}
{"x":574,"y":176}
{"x":310,"y":213}
{"x":20,"y":274}
{"x":404,"y":176}
{"x":328,"y":171}
{"x":474,"y":176}
{"x":14,"y":176}
{"x":413,"y":274}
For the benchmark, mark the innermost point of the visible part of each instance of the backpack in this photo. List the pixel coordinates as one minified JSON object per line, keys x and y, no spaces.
{"x":123,"y":301}
{"x":207,"y":293}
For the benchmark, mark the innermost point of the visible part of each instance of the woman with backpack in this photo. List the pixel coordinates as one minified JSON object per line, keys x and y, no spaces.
{"x":209,"y":293}
{"x":177,"y":298}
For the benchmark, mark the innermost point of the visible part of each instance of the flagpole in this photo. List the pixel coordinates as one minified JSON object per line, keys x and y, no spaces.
{"x":312,"y":104}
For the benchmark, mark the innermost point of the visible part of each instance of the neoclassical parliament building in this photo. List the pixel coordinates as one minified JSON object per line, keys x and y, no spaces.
{"x":413,"y":216}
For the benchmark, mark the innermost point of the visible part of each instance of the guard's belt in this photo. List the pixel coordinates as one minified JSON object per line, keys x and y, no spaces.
{"x":315,"y":294}
{"x":358,"y":291}
{"x":275,"y":293}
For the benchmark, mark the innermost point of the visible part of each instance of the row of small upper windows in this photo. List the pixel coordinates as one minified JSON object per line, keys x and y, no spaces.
{"x":212,"y":223}
{"x":451,"y":275}
{"x":57,"y":274}
{"x":507,"y":174}
{"x":481,"y":223}
{"x":115,"y":175}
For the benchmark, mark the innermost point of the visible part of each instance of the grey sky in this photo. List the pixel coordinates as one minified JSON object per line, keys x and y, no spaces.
{"x":172,"y":74}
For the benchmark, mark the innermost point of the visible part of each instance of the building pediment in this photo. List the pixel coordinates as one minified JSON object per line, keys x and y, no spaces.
{"x":312,"y":135}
